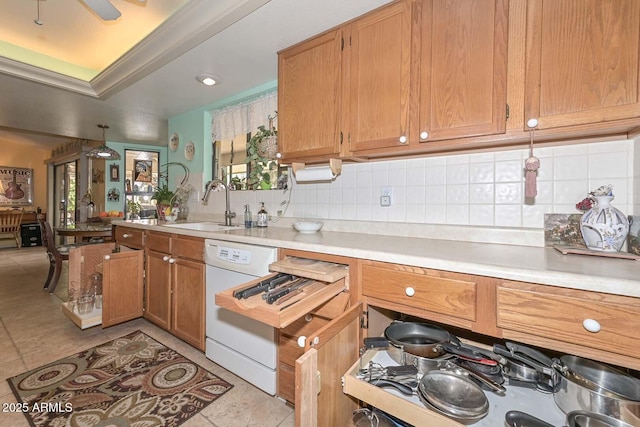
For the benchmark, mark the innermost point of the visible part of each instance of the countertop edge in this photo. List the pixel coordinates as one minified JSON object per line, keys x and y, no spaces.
{"x":538,"y":265}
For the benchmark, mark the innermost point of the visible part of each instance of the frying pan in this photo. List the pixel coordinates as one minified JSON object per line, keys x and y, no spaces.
{"x":429,"y":341}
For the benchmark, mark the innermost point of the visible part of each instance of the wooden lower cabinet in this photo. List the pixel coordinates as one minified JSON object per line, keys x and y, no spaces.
{"x":175,"y":286}
{"x":122,"y":287}
{"x":122,"y":283}
{"x":329,"y":352}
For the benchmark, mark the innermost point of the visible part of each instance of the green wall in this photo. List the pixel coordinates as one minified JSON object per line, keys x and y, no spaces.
{"x":195,"y":125}
{"x":119,"y":185}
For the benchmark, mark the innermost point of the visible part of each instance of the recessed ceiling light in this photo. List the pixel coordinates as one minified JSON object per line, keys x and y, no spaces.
{"x":208,"y":79}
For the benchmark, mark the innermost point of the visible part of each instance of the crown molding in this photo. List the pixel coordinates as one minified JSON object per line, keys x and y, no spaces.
{"x":194,"y":23}
{"x":46,"y":77}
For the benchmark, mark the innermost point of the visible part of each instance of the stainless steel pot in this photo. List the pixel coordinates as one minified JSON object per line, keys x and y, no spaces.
{"x":591,"y":386}
{"x":590,"y":419}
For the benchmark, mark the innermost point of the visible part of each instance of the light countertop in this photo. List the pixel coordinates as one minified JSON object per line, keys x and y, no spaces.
{"x":522,"y":263}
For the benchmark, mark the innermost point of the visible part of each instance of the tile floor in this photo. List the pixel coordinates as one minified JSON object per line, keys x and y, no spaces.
{"x":33,"y":332}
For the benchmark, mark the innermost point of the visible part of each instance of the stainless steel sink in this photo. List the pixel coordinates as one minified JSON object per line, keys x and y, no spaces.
{"x":202,"y":226}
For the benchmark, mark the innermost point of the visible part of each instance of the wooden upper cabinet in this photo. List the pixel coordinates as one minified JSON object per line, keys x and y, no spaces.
{"x":380,"y":67}
{"x":582,"y":61}
{"x":463,"y":68}
{"x":309,"y":97}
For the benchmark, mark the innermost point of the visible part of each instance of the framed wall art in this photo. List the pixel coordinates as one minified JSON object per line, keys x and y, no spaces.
{"x":16,"y":186}
{"x":114,"y":173}
{"x":142,"y":170}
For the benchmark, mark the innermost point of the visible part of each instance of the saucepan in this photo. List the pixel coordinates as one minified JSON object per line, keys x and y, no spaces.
{"x":595,"y":387}
{"x":574,"y":419}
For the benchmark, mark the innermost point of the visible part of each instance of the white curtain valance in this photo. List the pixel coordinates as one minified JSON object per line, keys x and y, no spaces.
{"x":242,"y":118}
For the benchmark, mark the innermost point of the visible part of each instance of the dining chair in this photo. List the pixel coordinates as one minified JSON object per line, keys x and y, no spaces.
{"x":57,"y":254}
{"x":10,"y":220}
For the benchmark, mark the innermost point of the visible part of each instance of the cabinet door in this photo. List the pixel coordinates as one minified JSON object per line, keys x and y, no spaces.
{"x":330,"y":353}
{"x":122,"y":287}
{"x":463,"y":68}
{"x":188,"y":312}
{"x":379,"y":79}
{"x":582,"y":61}
{"x":309,"y":85}
{"x":158,"y":289}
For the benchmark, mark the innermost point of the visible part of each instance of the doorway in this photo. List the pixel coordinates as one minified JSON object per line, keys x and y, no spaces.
{"x":65,"y":193}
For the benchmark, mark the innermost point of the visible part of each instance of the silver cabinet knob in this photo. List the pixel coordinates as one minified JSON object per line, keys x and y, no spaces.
{"x":424,"y":135}
{"x":165,"y":258}
{"x":409,"y":291}
{"x":532,"y":123}
{"x":403,"y":139}
{"x":107,"y":257}
{"x":125,"y":236}
{"x":172,"y":260}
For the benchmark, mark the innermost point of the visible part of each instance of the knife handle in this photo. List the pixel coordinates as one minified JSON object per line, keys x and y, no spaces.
{"x":252,"y":291}
{"x":277,"y":295}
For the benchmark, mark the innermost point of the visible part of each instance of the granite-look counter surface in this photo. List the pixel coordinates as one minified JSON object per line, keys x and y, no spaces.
{"x":522,"y":263}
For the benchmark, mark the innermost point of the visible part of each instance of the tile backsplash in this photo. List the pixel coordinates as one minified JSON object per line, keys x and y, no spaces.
{"x":478,"y":189}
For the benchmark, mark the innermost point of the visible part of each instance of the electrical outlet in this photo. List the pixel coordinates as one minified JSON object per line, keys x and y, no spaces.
{"x":386,"y":194}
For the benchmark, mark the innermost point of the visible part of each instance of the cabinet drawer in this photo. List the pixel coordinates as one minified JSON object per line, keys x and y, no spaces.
{"x":160,"y":242}
{"x":131,"y":237}
{"x":287,"y":382}
{"x":559,"y":313}
{"x":188,"y":247}
{"x":326,"y":280}
{"x":440,"y":292}
{"x":289,"y":350}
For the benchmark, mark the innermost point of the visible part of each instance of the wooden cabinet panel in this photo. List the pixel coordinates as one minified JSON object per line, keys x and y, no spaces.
{"x":558,"y":314}
{"x":582,"y":61}
{"x":131,"y":237}
{"x":159,"y":242}
{"x":463,"y":68}
{"x":158,"y":289}
{"x":188,"y":247}
{"x":122,"y":287}
{"x":380,"y":77}
{"x":329,"y":353}
{"x":175,"y":290}
{"x":188,"y":309}
{"x":309,"y":97}
{"x":431,"y":290}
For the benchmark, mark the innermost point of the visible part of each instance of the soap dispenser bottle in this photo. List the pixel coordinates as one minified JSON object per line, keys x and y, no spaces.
{"x":263,"y":216}
{"x":247,"y":216}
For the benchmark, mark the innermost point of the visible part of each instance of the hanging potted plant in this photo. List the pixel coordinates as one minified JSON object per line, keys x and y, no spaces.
{"x":262,"y":150}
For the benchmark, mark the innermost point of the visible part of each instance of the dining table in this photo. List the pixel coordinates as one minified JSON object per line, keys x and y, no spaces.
{"x":85,"y":232}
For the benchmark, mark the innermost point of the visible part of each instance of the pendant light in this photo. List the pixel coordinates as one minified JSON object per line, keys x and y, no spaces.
{"x":103,"y":152}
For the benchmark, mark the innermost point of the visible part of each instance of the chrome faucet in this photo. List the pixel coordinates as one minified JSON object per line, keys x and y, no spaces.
{"x":228,"y":215}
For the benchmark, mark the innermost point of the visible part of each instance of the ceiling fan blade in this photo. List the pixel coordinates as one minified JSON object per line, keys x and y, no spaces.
{"x":103,"y":8}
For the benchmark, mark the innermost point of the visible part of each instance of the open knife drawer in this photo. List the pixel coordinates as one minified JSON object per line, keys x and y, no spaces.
{"x":327,"y":280}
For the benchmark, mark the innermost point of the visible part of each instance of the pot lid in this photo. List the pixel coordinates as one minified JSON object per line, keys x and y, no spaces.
{"x":454,"y":394}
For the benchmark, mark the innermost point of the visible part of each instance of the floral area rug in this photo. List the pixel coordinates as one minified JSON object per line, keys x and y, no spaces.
{"x":130,"y":381}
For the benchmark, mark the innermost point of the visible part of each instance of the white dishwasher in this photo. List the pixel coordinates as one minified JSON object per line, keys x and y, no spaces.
{"x":239,"y":344}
